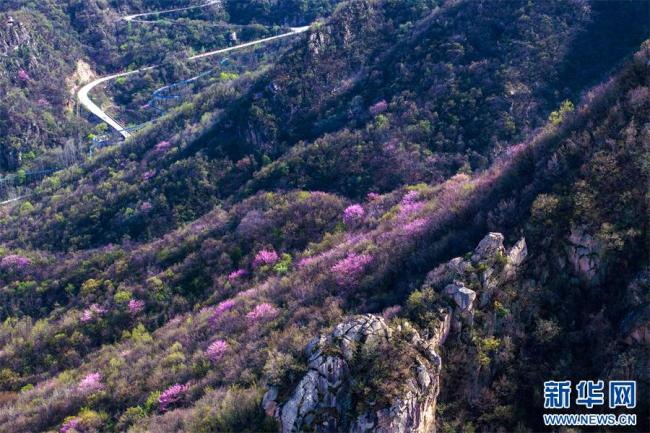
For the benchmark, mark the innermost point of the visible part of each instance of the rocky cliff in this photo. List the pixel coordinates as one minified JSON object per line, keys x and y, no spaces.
{"x":344,"y":389}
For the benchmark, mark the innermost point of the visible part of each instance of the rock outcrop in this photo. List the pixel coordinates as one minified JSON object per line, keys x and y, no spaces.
{"x":12,"y":35}
{"x":324,"y":400}
{"x":339,"y":364}
{"x":490,"y":264}
{"x":584,"y":254}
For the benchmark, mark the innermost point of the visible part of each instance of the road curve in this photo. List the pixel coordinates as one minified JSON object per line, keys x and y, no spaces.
{"x":84,"y":98}
{"x":136,"y":16}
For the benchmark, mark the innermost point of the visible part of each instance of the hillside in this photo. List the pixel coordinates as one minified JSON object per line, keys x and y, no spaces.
{"x":408,"y":221}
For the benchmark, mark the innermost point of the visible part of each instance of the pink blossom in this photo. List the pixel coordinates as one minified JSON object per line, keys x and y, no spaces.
{"x":410,"y":204}
{"x":163,"y":146}
{"x":221,"y":308}
{"x":148,"y":174}
{"x":353,"y":214}
{"x":136,"y":306}
{"x":372,"y":196}
{"x":92,"y":312}
{"x":262,"y":312}
{"x":171,"y":396}
{"x":379,"y":107}
{"x":14,"y":262}
{"x":248,"y":293}
{"x":71,"y":424}
{"x":217,"y":350}
{"x":235,"y":275}
{"x":306,"y":261}
{"x":348,"y":270}
{"x":23,"y":75}
{"x":224,"y":306}
{"x":91,"y":383}
{"x":43,"y":102}
{"x":415,"y":227}
{"x":265,"y":257}
{"x":410,"y":197}
{"x":146,"y":206}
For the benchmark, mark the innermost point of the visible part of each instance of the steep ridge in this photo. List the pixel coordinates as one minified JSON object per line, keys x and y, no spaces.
{"x":172,"y":282}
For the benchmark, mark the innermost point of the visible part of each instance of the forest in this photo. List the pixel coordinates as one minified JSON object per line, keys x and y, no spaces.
{"x":465,"y":186}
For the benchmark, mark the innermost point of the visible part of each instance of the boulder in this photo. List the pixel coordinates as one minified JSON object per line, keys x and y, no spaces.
{"x":322,"y":400}
{"x":488,"y":248}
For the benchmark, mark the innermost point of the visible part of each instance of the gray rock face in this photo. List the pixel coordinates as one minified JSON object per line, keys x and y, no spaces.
{"x":322,"y":401}
{"x":489,"y":246}
{"x":584,"y":254}
{"x":490,"y":266}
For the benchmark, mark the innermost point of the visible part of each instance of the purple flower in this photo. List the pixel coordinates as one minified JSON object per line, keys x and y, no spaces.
{"x":415,"y":227}
{"x":372,"y":196}
{"x":163,"y":146}
{"x":146,"y":207}
{"x":221,"y":308}
{"x":23,"y":75}
{"x":410,"y":204}
{"x":235,"y":275}
{"x":353,"y":214}
{"x":136,"y":306}
{"x":148,"y":174}
{"x":379,"y":107}
{"x":14,"y":262}
{"x":265,"y":257}
{"x":262,"y":312}
{"x":171,"y":396}
{"x":92,"y":312}
{"x":71,"y":424}
{"x":217,"y":350}
{"x":91,"y":383}
{"x":306,"y":261}
{"x":348,"y":270}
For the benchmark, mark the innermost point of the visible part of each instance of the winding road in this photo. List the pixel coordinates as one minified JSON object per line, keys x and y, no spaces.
{"x":83,"y":94}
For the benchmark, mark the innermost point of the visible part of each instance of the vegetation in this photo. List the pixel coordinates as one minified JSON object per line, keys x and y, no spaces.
{"x":163,"y":283}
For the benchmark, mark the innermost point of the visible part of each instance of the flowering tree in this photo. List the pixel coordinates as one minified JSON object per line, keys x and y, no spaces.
{"x":23,"y":75}
{"x":70,"y":424}
{"x":410,"y":204}
{"x":92,"y":312}
{"x":91,"y":383}
{"x":148,"y":174}
{"x":348,"y":270}
{"x":146,"y":206}
{"x":14,"y":262}
{"x":236,"y":275}
{"x":171,"y":396}
{"x":163,"y":146}
{"x":136,"y":306}
{"x":415,"y":227}
{"x":265,"y":257}
{"x":353,"y":214}
{"x":378,"y":108}
{"x":221,"y":308}
{"x":217,"y":350}
{"x":262,"y":313}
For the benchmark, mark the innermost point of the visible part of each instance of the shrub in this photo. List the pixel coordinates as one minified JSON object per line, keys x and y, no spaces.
{"x":217,"y":350}
{"x":353,"y":214}
{"x":262,"y":312}
{"x":265,"y":258}
{"x":171,"y":396}
{"x":136,"y":306}
{"x":348,"y":270}
{"x":91,"y":383}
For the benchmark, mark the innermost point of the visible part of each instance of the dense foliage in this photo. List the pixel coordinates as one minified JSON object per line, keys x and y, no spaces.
{"x":163,"y":284}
